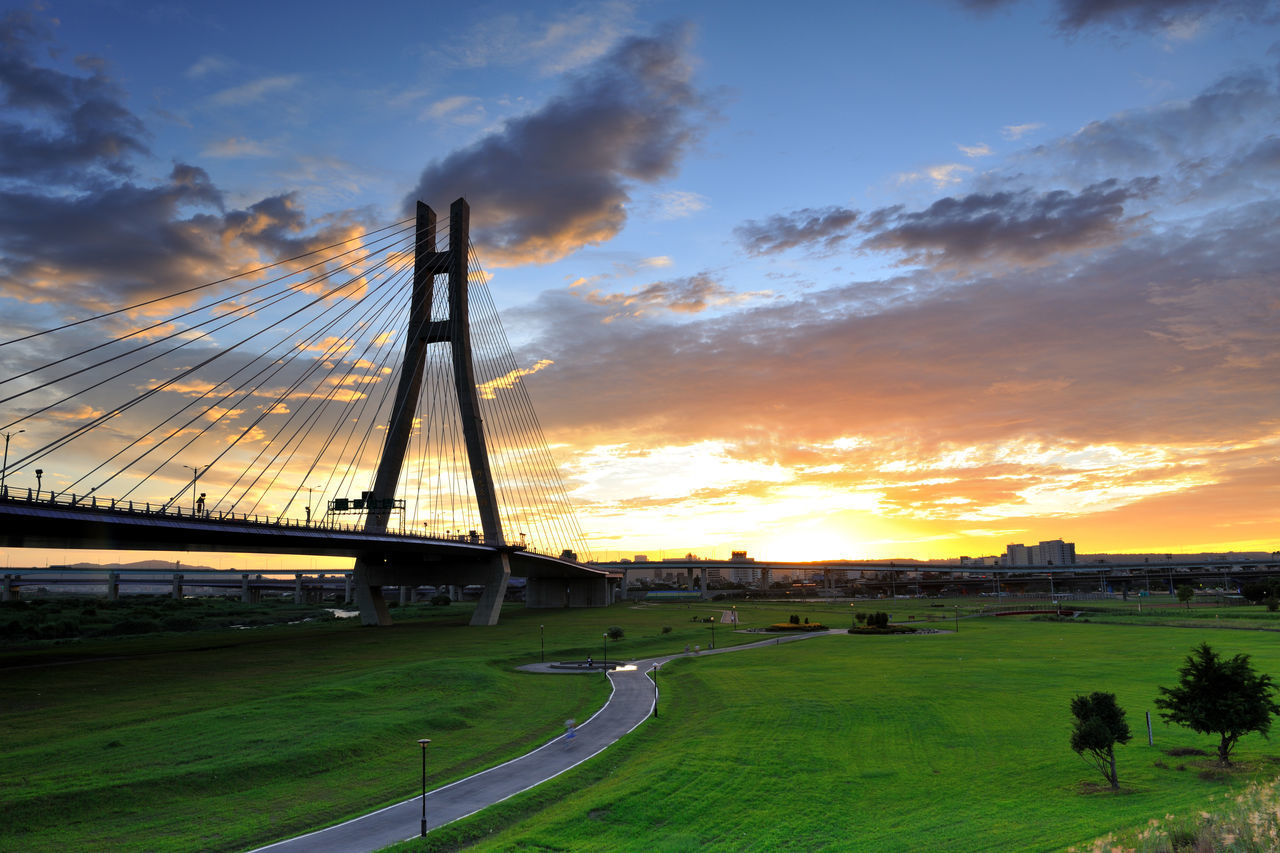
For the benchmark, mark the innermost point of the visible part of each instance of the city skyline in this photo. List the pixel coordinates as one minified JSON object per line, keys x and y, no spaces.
{"x":856,"y":283}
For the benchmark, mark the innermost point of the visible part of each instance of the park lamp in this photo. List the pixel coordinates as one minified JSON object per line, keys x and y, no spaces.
{"x":422,"y":742}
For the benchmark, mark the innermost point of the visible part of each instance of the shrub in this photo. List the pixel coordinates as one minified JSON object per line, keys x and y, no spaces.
{"x":795,"y":620}
{"x":440,"y":599}
{"x":666,"y":629}
{"x":615,"y":633}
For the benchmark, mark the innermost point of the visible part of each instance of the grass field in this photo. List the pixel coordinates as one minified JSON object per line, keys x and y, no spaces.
{"x":942,"y":742}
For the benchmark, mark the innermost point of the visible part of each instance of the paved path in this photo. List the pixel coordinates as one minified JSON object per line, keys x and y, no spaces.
{"x":627,"y":707}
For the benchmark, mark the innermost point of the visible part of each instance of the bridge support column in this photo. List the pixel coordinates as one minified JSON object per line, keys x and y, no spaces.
{"x":299,"y":594}
{"x":113,"y":586}
{"x":489,"y":606}
{"x":346,"y":595}
{"x":9,"y":592}
{"x":702,"y":581}
{"x":764,"y":579}
{"x":373,"y":607}
{"x":177,"y":587}
{"x":625,"y":588}
{"x":405,"y":594}
{"x":246,"y":591}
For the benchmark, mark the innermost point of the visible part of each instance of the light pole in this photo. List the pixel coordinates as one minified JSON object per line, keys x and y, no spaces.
{"x":606,"y":649}
{"x":713,"y":632}
{"x":654,"y":672}
{"x":310,"y":489}
{"x":542,"y":641}
{"x":6,"y":459}
{"x":423,"y":743}
{"x":195,"y":470}
{"x":40,"y":474}
{"x":735,"y":617}
{"x":957,"y":618}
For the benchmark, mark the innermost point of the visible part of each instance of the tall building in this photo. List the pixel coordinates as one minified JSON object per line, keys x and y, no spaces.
{"x":1056,"y":552}
{"x":1051,"y":552}
{"x":1017,"y":555}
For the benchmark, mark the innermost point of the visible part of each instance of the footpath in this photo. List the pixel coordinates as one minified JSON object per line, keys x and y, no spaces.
{"x":630,"y":704}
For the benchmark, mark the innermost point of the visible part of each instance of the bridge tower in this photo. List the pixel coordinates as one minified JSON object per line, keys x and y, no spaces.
{"x":493,"y":570}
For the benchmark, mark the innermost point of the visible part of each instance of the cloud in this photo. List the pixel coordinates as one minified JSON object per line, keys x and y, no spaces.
{"x":1017,"y":131}
{"x":982,"y":149}
{"x":77,"y":227}
{"x":821,"y":229}
{"x":943,"y":174}
{"x":557,"y":179}
{"x":255,"y":90}
{"x":459,"y":109}
{"x":1010,"y":227}
{"x":552,"y":43}
{"x":237,"y":146}
{"x":689,"y":295}
{"x":677,"y":204}
{"x":1175,"y":17}
{"x":57,"y":125}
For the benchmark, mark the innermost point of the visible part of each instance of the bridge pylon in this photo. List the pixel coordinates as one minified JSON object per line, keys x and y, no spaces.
{"x":493,"y":570}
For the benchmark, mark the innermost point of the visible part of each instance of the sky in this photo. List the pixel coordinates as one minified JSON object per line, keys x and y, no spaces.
{"x":916,"y":279}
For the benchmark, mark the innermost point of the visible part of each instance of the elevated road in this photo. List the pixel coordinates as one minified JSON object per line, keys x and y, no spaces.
{"x":71,"y":522}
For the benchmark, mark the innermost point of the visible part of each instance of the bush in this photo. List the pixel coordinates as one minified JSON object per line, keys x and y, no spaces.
{"x":615,"y":633}
{"x":666,"y":629}
{"x":440,"y":599}
{"x":795,"y":620}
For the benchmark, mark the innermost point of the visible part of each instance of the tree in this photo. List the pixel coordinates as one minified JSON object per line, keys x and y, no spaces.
{"x":1219,"y":696}
{"x":1185,"y":594}
{"x":1099,"y":727}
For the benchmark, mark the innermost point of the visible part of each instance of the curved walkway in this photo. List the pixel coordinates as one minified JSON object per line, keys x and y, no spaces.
{"x":630,"y":703}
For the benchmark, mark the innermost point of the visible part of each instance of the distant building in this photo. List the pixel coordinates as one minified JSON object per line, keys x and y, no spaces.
{"x":1017,"y":555}
{"x":640,"y":558}
{"x":1053,"y":552}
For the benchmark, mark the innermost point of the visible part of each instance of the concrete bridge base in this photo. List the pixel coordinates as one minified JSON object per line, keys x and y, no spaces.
{"x":546,"y":593}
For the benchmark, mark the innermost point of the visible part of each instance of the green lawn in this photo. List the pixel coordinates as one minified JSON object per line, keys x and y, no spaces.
{"x":941,"y":742}
{"x":224,"y":740}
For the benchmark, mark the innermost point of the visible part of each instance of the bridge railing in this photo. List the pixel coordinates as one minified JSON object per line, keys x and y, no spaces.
{"x":215,"y":516}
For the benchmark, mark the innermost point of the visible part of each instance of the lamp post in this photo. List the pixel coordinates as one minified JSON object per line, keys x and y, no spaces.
{"x":606,"y":649}
{"x":735,"y":617}
{"x":423,"y":743}
{"x":7,"y":435}
{"x":713,"y":632}
{"x":40,"y":475}
{"x":542,"y":641}
{"x":957,"y":618}
{"x":654,"y":672}
{"x":195,"y":478}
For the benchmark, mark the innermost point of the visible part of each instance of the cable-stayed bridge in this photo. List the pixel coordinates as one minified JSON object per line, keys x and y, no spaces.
{"x":357,"y":399}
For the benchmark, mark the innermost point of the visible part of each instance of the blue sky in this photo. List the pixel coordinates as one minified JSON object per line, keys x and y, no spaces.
{"x":916,"y":278}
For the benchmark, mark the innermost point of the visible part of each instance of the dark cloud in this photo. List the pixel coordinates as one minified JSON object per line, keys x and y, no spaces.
{"x":823,"y":229}
{"x":557,"y":179}
{"x":1144,"y":15}
{"x":76,"y":225}
{"x":1020,"y":227}
{"x":1239,"y":106}
{"x":58,"y":125}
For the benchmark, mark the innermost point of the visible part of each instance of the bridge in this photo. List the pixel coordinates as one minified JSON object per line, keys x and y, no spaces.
{"x":283,"y":380}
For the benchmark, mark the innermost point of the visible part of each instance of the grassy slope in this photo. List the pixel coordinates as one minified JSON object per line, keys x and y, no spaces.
{"x":223,"y":740}
{"x":945,"y":742}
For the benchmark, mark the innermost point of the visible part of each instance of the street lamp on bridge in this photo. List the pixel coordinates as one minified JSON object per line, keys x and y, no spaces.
{"x":195,"y":478}
{"x":7,"y":435}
